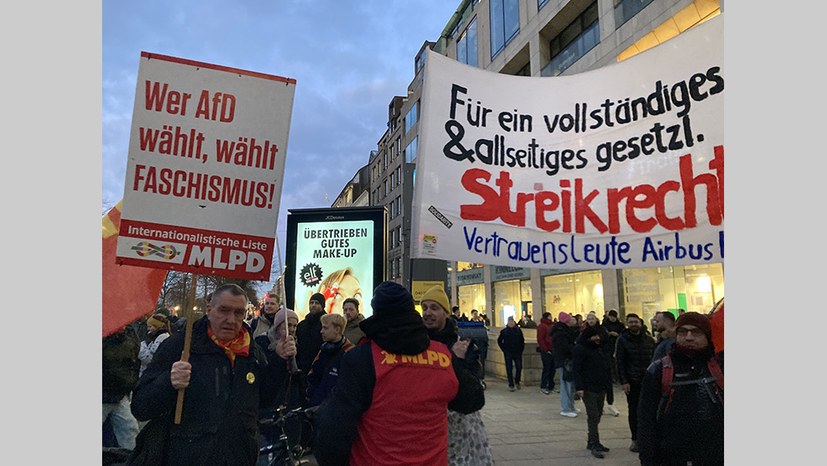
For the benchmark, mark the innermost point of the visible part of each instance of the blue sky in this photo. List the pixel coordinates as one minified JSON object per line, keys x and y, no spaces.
{"x":349,"y":59}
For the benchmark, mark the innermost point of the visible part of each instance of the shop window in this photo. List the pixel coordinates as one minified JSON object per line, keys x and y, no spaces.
{"x":574,"y":293}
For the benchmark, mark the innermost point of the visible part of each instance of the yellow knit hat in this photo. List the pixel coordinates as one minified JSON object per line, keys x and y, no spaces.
{"x":437,"y":294}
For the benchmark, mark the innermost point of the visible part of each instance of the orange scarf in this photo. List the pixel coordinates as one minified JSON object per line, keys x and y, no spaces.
{"x":238,"y":346}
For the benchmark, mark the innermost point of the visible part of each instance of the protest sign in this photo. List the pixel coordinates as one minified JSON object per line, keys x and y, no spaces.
{"x":619,"y":167}
{"x":205,"y":169}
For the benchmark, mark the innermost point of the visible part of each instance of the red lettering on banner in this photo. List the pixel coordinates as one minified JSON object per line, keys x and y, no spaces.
{"x":574,"y":203}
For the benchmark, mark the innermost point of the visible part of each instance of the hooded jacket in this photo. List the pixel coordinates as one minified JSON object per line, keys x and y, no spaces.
{"x":363,"y":421}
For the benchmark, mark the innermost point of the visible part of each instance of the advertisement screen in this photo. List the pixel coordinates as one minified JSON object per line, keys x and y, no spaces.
{"x":336,"y":252}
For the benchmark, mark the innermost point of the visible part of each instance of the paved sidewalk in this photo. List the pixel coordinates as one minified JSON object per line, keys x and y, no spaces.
{"x":525,"y":428}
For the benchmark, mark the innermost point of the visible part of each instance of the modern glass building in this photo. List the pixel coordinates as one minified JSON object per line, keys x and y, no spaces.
{"x":541,"y":38}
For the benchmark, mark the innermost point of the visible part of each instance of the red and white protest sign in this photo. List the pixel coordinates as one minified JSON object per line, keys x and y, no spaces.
{"x":618,"y":167}
{"x":205,"y":169}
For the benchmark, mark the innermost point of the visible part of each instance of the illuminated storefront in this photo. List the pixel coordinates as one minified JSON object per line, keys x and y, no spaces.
{"x":691,"y":288}
{"x":470,"y":288}
{"x":511,"y":293}
{"x":573,"y":293}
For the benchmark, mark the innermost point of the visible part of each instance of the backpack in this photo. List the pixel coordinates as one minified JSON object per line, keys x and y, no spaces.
{"x":668,"y":373}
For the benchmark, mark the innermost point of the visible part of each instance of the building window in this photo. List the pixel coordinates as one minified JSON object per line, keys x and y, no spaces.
{"x":411,"y":117}
{"x":410,"y":151}
{"x":399,"y":175}
{"x":542,"y":3}
{"x":467,"y":45}
{"x":575,"y":41}
{"x":419,"y":62}
{"x":505,"y":23}
{"x":626,"y":9}
{"x":524,"y":71}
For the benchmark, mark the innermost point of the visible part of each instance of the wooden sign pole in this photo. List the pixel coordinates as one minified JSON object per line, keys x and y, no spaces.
{"x":189,"y":314}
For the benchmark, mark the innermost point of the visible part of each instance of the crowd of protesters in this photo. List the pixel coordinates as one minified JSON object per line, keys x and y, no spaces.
{"x":351,"y":371}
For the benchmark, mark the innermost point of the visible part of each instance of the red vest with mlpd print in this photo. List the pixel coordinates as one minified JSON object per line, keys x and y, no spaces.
{"x":407,"y":422}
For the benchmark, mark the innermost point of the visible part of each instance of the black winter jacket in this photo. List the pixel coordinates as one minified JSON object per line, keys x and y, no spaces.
{"x":562,"y":339}
{"x":592,"y":371}
{"x":219,"y":421}
{"x":511,"y":340}
{"x":448,"y":336}
{"x":692,"y":428}
{"x":308,"y":340}
{"x":633,"y":355}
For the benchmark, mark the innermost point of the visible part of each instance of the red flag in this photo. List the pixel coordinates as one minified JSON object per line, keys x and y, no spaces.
{"x":129,"y":292}
{"x":717,"y":322}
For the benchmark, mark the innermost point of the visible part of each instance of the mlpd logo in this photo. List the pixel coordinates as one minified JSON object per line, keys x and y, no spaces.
{"x":145,"y":249}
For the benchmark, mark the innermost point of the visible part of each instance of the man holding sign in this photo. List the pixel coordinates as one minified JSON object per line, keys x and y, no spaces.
{"x":227,"y":378}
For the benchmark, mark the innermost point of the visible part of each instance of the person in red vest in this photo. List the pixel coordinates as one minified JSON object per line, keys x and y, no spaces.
{"x":394,"y":390}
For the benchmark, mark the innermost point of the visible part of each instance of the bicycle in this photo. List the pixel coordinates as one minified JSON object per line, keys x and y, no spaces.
{"x":286,"y":450}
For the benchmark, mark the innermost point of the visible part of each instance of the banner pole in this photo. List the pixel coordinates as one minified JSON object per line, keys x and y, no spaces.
{"x":189,"y":314}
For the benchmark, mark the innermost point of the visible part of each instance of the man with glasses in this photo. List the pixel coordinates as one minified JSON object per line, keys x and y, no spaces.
{"x":681,"y":414}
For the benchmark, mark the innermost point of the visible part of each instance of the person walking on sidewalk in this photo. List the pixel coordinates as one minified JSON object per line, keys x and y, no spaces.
{"x":563,"y":335}
{"x":633,"y":354}
{"x":512,"y":343}
{"x":591,"y":377}
{"x":546,"y":355}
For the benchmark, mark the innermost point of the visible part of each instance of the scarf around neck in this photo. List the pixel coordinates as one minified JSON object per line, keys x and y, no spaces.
{"x":238,"y":346}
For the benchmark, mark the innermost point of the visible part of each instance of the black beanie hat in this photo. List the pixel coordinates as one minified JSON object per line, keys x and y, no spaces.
{"x":391,"y":298}
{"x":317,"y":297}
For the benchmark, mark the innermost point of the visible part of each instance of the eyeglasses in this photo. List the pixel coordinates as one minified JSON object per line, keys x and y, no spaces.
{"x":683,"y":331}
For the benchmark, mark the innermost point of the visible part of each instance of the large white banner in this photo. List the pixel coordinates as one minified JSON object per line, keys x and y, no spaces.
{"x":205,"y":169}
{"x":619,"y":167}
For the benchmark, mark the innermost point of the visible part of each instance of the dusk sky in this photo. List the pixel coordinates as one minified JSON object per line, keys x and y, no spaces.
{"x":348,"y":59}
